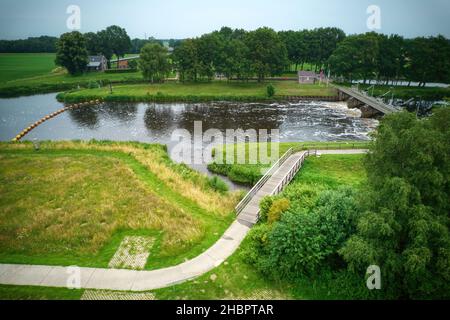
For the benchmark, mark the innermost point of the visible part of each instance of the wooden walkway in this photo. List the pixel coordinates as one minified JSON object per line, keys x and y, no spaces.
{"x":275,"y":180}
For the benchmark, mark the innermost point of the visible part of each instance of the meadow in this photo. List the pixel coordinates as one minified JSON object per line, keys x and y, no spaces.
{"x":14,"y":66}
{"x":200,"y":91}
{"x":73,"y":203}
{"x":235,"y":279}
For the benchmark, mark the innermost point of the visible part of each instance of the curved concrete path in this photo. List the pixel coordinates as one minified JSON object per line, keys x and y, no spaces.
{"x":129,"y":280}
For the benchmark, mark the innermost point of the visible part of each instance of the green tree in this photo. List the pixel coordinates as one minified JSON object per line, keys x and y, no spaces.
{"x":114,"y":40}
{"x":186,"y":60}
{"x":154,"y":62}
{"x":391,"y":59}
{"x":267,"y":53}
{"x":71,"y":52}
{"x":120,"y":41}
{"x":404,"y":228}
{"x":92,"y":43}
{"x":356,"y":56}
{"x":105,"y":46}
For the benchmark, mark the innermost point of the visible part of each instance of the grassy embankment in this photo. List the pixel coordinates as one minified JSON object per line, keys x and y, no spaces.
{"x":249,"y":174}
{"x":72,"y":203}
{"x":235,"y":279}
{"x":202,"y":91}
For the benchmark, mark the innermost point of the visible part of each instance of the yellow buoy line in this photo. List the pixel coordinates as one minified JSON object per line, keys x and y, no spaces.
{"x":52,"y":115}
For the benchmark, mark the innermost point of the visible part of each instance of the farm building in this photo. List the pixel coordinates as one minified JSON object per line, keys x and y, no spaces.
{"x":97,"y":63}
{"x":308,"y":77}
{"x":124,"y":63}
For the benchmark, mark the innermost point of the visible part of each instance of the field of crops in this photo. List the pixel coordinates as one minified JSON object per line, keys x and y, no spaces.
{"x":15,"y":66}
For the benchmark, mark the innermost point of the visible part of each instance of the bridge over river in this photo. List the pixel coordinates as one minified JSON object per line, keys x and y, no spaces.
{"x":370,"y":107}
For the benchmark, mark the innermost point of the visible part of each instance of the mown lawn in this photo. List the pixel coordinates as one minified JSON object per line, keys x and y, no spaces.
{"x":14,"y":66}
{"x":73,"y":203}
{"x":249,"y":174}
{"x":202,"y":90}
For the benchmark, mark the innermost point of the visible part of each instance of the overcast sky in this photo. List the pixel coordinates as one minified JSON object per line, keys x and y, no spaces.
{"x":188,"y":18}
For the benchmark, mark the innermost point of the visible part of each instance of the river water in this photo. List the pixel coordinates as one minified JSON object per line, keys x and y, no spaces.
{"x":155,"y":123}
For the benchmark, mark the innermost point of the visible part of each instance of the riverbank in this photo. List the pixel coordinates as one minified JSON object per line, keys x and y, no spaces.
{"x":249,"y":175}
{"x":61,"y":81}
{"x":198,"y":92}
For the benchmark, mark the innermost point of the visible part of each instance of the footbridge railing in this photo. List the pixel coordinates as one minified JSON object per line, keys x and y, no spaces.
{"x":292,"y":172}
{"x":263,"y":181}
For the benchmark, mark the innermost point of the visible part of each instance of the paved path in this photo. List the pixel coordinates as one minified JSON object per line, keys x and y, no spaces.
{"x":250,"y":214}
{"x":128,"y":280}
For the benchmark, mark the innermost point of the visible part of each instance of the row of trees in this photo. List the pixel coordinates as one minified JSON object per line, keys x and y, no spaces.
{"x":387,"y":58}
{"x":261,"y":53}
{"x":233,"y":53}
{"x":73,"y":48}
{"x":114,"y":40}
{"x":42,"y":44}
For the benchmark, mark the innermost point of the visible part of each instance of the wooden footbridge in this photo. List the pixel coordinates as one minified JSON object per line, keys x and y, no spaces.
{"x":369,"y":106}
{"x":276,"y":179}
{"x":273,"y":182}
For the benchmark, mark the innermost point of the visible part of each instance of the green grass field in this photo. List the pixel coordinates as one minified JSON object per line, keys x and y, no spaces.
{"x":14,"y":66}
{"x":216,"y":90}
{"x":235,"y":279}
{"x":73,"y":203}
{"x":249,"y":174}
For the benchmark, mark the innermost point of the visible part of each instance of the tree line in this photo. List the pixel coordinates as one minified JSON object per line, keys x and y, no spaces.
{"x":374,"y":56}
{"x":42,"y":44}
{"x":262,"y":53}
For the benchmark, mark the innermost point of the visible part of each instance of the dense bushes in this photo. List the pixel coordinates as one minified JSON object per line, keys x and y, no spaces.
{"x":305,"y":240}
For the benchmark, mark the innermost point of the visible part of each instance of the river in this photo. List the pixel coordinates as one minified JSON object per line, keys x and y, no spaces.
{"x":154,"y":123}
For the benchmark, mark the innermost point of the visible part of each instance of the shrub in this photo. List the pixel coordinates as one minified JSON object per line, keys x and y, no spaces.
{"x":305,"y":241}
{"x":277,"y":209}
{"x":264,"y":206}
{"x":218,"y":184}
{"x":93,"y":85}
{"x":270,"y":90}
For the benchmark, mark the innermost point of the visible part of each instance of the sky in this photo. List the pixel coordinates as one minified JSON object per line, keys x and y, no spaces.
{"x":166,"y":19}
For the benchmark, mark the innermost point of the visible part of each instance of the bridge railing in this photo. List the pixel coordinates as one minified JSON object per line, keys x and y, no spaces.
{"x":262,"y":181}
{"x":292,"y":172}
